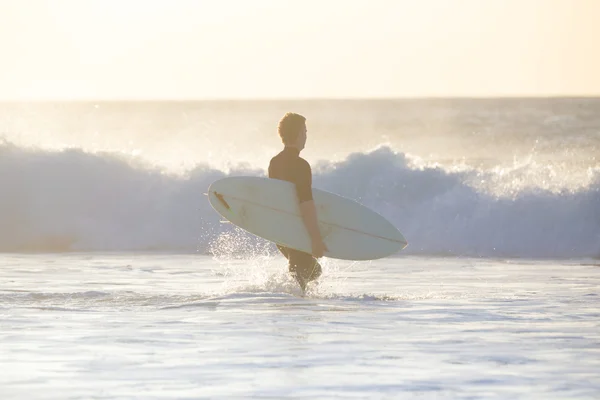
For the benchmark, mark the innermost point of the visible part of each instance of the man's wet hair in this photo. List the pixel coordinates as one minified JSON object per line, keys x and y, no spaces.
{"x":289,"y":127}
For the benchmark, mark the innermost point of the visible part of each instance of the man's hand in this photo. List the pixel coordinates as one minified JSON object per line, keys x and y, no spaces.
{"x":318,"y":248}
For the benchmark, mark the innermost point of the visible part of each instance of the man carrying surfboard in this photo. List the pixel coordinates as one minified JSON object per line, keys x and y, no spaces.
{"x":289,"y":166}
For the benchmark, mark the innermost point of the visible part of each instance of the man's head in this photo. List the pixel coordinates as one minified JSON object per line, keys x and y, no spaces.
{"x":292,"y":130}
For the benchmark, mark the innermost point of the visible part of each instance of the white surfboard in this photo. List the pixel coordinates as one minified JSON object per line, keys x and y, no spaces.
{"x":269,"y":208}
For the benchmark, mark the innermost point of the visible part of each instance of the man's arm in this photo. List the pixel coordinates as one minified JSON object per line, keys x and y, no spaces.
{"x":309,"y":217}
{"x":309,"y":211}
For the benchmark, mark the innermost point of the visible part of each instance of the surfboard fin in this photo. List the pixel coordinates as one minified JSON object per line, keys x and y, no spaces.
{"x":222,"y":200}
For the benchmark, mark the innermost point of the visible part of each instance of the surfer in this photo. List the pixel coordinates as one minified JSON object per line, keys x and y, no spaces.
{"x":289,"y":166}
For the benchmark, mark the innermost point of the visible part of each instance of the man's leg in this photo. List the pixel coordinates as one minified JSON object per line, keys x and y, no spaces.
{"x":304,"y":267}
{"x":284,"y":250}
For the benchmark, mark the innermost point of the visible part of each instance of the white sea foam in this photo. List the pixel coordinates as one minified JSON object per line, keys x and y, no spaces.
{"x":74,"y":201}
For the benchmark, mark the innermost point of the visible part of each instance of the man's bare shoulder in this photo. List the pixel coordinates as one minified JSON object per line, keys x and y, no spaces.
{"x":304,"y":163}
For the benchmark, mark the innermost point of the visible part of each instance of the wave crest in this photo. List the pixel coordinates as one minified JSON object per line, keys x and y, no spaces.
{"x":71,"y":200}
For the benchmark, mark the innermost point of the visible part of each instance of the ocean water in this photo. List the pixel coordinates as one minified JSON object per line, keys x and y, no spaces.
{"x":489,"y":178}
{"x":166,"y":326}
{"x":117,"y":279}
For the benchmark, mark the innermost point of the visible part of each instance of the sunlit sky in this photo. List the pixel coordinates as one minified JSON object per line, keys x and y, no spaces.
{"x":197,"y":49}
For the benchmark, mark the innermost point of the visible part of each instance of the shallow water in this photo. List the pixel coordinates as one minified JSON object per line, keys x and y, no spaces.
{"x":143,"y":325}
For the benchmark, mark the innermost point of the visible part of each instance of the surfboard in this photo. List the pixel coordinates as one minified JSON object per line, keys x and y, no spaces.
{"x":269,"y":209}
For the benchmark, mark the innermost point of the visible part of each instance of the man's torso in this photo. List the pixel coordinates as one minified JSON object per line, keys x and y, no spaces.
{"x":289,"y":166}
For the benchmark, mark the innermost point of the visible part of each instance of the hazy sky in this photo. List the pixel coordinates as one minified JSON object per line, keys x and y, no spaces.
{"x":182,"y":49}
